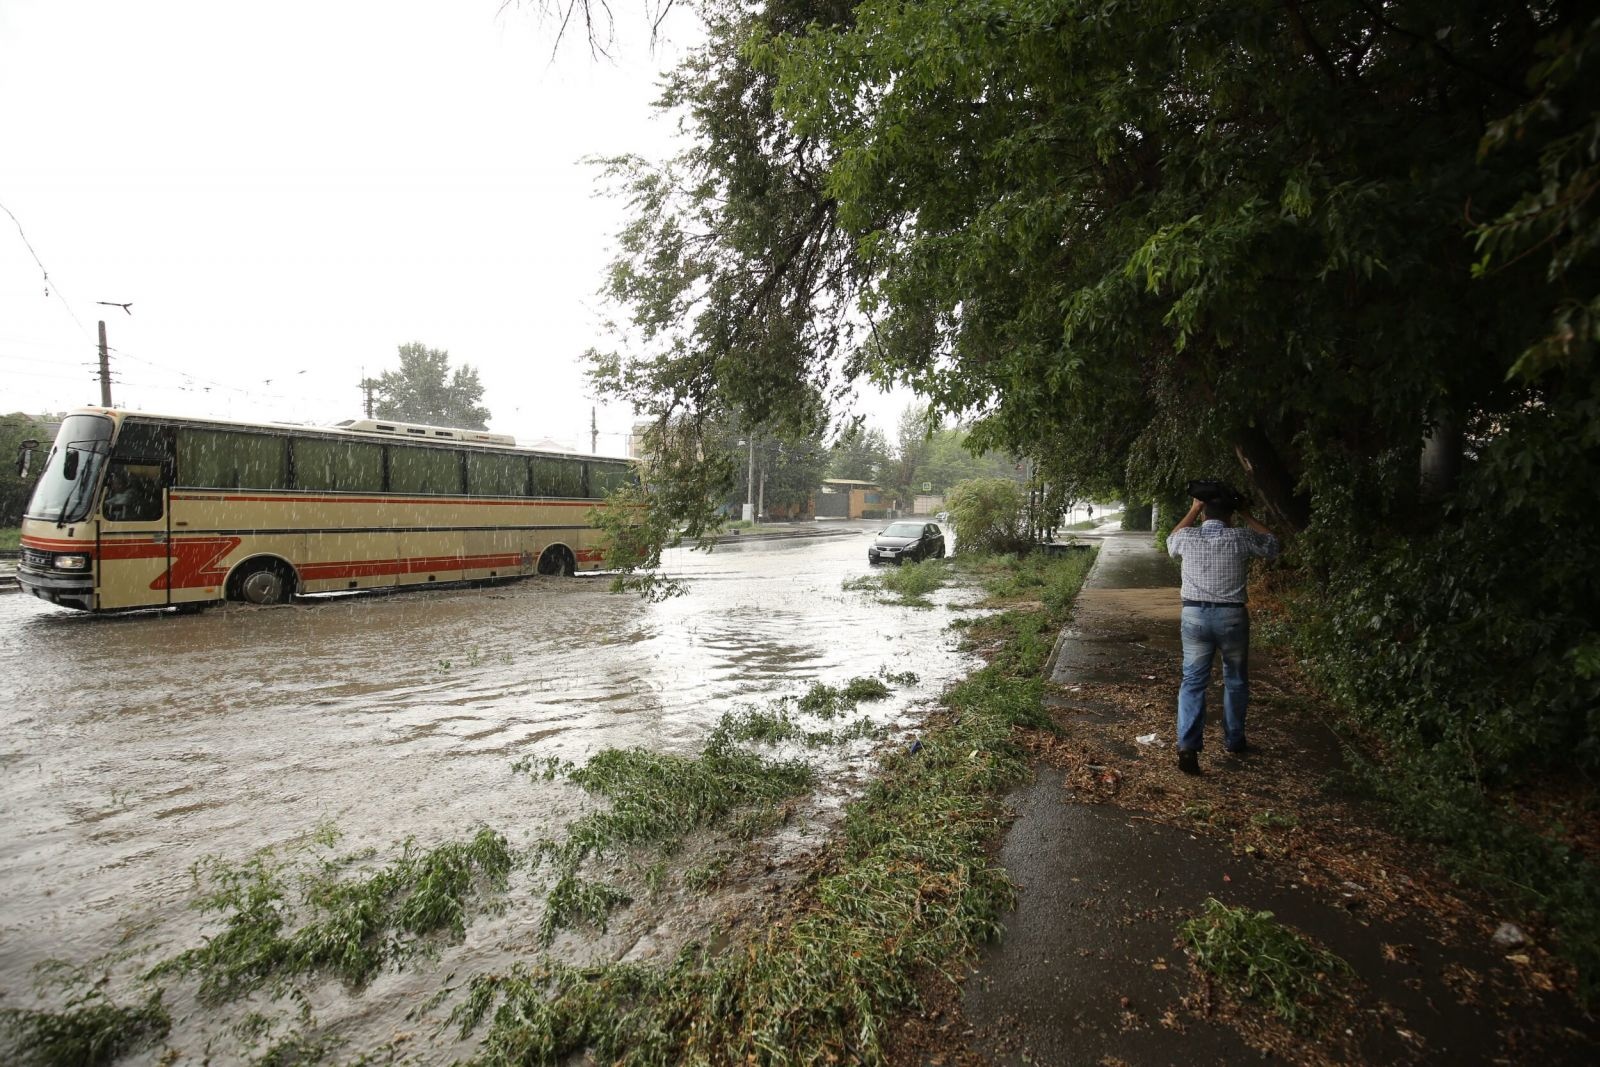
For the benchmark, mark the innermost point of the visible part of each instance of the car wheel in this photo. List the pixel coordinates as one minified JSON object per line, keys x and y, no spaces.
{"x":939,"y":554}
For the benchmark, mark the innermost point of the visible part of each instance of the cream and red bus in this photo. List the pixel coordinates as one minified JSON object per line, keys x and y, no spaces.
{"x":134,"y":510}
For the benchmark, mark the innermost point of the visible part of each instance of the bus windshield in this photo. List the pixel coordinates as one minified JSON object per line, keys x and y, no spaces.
{"x":72,"y":471}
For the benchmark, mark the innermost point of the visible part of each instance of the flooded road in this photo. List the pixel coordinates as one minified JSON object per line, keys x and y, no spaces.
{"x":134,"y":746}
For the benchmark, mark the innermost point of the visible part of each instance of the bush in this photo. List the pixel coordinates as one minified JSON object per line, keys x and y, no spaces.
{"x":988,"y":516}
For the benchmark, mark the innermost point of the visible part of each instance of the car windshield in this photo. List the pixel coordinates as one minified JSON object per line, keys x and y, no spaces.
{"x":904,"y":529}
{"x":72,"y":471}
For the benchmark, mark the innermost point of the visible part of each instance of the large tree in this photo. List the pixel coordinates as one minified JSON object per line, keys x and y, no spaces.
{"x":425,"y":390}
{"x":1138,"y":243}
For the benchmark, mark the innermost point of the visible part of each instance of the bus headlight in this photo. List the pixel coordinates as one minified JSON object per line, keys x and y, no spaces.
{"x":72,"y":563}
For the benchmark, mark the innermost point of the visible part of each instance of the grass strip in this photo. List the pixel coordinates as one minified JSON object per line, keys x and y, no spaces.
{"x":1264,"y":959}
{"x":906,"y":890}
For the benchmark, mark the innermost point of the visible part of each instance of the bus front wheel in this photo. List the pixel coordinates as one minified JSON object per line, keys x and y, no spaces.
{"x":558,"y":560}
{"x":264,"y":583}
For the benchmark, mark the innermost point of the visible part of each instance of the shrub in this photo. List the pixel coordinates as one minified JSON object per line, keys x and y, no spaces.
{"x":988,"y":516}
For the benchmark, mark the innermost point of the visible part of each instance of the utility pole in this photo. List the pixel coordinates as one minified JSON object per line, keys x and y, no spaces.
{"x":105,"y":368}
{"x":366,"y":389}
{"x":750,"y":484}
{"x":594,"y":433}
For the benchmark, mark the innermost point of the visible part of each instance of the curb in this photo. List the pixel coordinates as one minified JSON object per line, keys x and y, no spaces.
{"x":1061,"y":638}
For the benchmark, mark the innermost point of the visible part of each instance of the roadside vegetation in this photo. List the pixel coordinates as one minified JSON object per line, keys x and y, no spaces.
{"x":1256,"y":956}
{"x":907,"y":891}
{"x":909,"y":582}
{"x":10,"y":538}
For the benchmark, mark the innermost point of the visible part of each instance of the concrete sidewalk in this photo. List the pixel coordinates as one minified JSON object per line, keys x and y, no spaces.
{"x":1110,"y":863}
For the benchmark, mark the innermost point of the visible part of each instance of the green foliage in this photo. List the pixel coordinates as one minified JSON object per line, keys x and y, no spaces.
{"x":987,"y":516}
{"x":862,"y":455}
{"x":910,"y":582}
{"x":423,"y":390}
{"x":1264,"y":959}
{"x":825,"y":701}
{"x":655,"y":799}
{"x":90,"y":1031}
{"x":1460,"y":645}
{"x":277,"y":926}
{"x":1557,"y":133}
{"x":15,"y":489}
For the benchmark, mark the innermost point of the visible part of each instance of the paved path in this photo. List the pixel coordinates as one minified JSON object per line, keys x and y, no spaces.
{"x":1087,"y":970}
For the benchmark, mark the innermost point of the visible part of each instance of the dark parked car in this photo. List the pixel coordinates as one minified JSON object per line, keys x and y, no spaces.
{"x":907,"y":540}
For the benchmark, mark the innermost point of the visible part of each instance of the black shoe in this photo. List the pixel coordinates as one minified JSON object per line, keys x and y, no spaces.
{"x":1189,"y":762}
{"x":1241,"y":749}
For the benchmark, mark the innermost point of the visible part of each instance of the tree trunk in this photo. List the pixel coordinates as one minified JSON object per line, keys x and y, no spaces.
{"x":1272,"y":477}
{"x":1441,"y":454}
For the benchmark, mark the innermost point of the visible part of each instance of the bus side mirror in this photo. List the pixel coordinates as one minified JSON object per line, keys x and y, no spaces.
{"x":25,"y":452}
{"x":69,"y":464}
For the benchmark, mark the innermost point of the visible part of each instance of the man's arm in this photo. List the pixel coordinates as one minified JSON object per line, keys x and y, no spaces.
{"x":1267,"y":542}
{"x":1174,"y":542}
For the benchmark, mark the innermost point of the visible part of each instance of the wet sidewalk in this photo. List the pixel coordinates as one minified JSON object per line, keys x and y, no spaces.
{"x":1113,"y":849}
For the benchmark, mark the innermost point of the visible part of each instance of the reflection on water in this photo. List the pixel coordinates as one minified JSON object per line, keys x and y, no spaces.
{"x":133,"y":746}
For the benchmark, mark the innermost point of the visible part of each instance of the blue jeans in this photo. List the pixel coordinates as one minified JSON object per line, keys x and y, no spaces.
{"x":1208,"y":629}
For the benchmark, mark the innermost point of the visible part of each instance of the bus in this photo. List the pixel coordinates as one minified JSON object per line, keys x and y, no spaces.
{"x":135,"y":510}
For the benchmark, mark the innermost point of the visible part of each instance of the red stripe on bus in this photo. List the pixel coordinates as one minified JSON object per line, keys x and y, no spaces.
{"x":289,"y":498}
{"x":53,"y":544}
{"x":415,"y":565}
{"x":195,"y":563}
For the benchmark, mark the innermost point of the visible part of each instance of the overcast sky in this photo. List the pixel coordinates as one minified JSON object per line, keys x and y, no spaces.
{"x":287,"y":193}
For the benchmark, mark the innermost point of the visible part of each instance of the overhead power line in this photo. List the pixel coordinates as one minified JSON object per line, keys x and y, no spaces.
{"x":48,"y":287}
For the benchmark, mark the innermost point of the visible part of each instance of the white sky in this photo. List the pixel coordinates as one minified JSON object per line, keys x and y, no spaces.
{"x":287,"y":193}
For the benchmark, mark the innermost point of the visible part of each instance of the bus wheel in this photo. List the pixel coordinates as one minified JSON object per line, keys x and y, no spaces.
{"x":558,"y":560}
{"x":265,"y":583}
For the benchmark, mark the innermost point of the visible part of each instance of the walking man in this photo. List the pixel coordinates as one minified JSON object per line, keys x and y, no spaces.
{"x":1215,"y":560}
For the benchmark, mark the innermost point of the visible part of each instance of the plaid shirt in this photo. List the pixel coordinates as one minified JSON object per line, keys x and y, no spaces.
{"x":1216,"y":559}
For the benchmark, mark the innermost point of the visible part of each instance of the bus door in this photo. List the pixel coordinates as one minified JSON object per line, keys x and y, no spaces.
{"x":134,"y":534}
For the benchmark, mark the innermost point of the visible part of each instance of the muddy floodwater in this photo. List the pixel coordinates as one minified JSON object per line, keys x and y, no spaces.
{"x":135,"y":746}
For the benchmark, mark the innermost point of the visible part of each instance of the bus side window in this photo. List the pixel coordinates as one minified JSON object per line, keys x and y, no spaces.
{"x":495,"y":474}
{"x":607,"y":478}
{"x":215,"y":459}
{"x":557,"y":477}
{"x":338,"y":466}
{"x":424,"y":471}
{"x":133,"y":492}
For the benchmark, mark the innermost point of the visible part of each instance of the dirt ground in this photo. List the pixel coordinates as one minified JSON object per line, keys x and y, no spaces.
{"x":1113,"y":849}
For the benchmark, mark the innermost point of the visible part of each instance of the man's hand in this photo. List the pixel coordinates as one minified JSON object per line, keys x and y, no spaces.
{"x":1188,"y":520}
{"x":1251,"y":521}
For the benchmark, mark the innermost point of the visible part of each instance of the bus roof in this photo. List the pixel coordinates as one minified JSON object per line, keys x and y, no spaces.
{"x":368,"y":428}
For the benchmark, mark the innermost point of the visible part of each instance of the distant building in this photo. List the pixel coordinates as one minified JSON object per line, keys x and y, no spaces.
{"x":844,"y":498}
{"x":636,"y":439}
{"x":927,"y":504}
{"x":550,"y":444}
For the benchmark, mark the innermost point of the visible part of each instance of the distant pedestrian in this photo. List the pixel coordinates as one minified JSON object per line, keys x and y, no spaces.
{"x":1215,"y":559}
